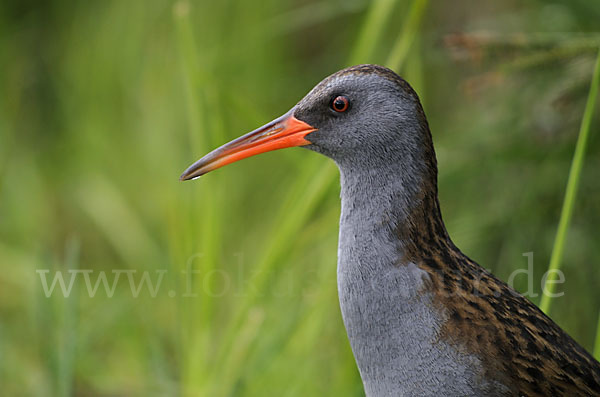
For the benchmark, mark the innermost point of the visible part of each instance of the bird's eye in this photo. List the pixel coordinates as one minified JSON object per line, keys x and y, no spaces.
{"x":340,"y":104}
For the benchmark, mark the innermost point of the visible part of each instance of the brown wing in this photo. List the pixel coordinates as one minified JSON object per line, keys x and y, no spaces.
{"x":519,"y":345}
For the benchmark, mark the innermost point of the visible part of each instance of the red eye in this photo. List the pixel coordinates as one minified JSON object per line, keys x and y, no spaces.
{"x":340,"y":104}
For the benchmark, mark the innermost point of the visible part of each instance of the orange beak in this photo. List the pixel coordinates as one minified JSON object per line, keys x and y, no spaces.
{"x":285,"y":131}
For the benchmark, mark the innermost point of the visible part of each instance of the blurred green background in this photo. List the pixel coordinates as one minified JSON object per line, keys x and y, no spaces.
{"x":103,"y":104}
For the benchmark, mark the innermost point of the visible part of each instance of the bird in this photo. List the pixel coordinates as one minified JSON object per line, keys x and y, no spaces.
{"x":422,"y":318}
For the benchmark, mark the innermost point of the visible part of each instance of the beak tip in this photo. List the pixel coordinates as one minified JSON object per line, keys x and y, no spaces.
{"x":189,"y":176}
{"x":184,"y":177}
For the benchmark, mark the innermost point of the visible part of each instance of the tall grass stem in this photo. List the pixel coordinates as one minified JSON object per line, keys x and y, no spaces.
{"x":407,"y":35}
{"x":597,"y":342}
{"x":571,"y":190}
{"x":372,"y":28}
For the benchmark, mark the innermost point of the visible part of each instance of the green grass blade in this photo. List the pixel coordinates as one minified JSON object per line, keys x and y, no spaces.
{"x":190,"y":71}
{"x":407,"y":35}
{"x":571,"y":191}
{"x":372,"y":28}
{"x":198,"y":313}
{"x":65,"y":330}
{"x":597,"y":342}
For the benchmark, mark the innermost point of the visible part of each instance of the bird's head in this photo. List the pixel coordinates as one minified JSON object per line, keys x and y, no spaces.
{"x":362,"y":116}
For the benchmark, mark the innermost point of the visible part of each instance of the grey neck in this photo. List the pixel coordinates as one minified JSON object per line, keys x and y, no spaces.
{"x":391,"y":322}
